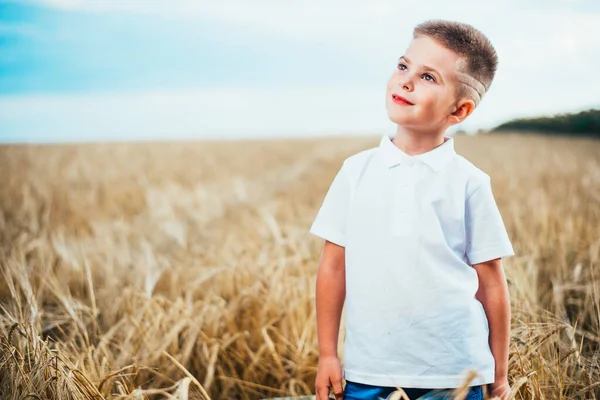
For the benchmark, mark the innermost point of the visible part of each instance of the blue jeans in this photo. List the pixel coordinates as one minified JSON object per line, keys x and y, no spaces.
{"x":361,"y":391}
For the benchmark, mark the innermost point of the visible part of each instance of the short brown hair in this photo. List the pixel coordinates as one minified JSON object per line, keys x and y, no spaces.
{"x":480,"y":58}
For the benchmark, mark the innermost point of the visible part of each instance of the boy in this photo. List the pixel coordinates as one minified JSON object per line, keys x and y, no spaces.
{"x":414,"y":240}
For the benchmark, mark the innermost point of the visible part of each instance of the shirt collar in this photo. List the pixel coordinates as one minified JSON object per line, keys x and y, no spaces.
{"x":436,"y":158}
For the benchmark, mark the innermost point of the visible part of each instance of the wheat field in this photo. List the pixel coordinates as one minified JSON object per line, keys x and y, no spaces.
{"x":186,"y":270}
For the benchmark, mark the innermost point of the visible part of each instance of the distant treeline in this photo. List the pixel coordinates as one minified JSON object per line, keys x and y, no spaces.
{"x":584,"y":123}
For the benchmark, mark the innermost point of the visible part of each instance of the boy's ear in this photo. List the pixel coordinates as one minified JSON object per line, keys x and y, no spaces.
{"x":463,"y":109}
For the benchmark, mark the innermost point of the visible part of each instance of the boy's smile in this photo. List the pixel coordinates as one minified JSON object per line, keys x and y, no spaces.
{"x":401,"y":100}
{"x":421,"y":93}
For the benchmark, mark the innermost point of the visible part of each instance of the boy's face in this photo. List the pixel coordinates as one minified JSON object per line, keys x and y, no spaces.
{"x":426,"y":76}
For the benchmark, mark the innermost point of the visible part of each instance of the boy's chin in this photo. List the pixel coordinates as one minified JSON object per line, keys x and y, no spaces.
{"x":401,"y":120}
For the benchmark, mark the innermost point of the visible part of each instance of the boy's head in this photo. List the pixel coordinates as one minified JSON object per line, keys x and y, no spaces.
{"x":444,"y":74}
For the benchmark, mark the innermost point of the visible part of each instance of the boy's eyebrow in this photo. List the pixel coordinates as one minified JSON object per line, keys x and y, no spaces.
{"x":425,"y":67}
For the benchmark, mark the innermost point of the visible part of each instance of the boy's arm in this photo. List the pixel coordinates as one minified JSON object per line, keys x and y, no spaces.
{"x":494,"y":296}
{"x":330,"y":224}
{"x":487,"y":243}
{"x":330,"y":297}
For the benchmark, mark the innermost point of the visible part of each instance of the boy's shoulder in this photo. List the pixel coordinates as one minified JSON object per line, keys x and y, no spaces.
{"x":470,"y":173}
{"x":363,"y":157}
{"x":355,"y":165}
{"x":472,"y":170}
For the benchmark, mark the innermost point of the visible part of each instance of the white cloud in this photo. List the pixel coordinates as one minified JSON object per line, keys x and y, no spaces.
{"x":292,"y":111}
{"x":548,"y":52}
{"x":346,"y":23}
{"x":527,"y":37}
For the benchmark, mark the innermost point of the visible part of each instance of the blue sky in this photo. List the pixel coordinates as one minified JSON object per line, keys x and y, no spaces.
{"x":55,"y":50}
{"x":103,"y":70}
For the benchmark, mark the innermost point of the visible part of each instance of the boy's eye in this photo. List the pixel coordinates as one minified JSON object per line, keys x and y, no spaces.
{"x":428,"y":77}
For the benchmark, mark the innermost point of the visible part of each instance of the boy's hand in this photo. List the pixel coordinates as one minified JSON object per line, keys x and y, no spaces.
{"x":500,"y":388}
{"x":329,"y":374}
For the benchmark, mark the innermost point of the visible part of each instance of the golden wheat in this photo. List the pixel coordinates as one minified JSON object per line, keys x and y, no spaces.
{"x":185,"y":270}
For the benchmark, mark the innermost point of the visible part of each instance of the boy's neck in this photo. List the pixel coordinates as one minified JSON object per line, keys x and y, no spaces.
{"x":417,"y":142}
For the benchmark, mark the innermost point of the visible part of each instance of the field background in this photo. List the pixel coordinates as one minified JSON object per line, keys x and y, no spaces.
{"x":149,"y":270}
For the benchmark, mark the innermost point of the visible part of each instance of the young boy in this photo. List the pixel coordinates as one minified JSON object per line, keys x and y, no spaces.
{"x":414,"y":240}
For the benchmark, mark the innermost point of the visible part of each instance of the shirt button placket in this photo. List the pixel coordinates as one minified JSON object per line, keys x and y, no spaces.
{"x":402,"y":221}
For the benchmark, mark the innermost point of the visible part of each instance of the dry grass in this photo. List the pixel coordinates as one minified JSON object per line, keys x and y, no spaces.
{"x":185,"y":270}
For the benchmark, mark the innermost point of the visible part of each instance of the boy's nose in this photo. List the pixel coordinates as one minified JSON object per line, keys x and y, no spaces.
{"x":406,"y":84}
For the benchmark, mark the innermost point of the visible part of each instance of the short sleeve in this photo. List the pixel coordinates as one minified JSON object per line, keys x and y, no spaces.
{"x":487,"y":238}
{"x":330,"y":221}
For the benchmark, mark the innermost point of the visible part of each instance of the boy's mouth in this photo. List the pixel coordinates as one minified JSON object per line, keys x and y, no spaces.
{"x":401,"y":100}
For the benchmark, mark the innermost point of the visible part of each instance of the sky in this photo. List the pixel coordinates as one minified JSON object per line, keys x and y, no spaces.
{"x":97,"y":70}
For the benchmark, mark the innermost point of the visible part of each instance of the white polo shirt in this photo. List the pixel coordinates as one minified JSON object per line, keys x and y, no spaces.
{"x":411,"y":226}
